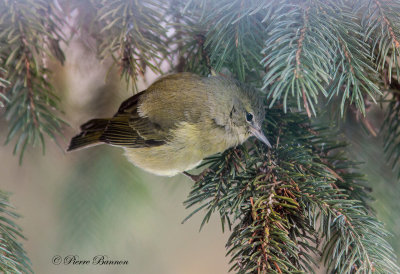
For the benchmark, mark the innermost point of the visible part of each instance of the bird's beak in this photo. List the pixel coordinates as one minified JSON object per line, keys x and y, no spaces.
{"x":257,"y":132}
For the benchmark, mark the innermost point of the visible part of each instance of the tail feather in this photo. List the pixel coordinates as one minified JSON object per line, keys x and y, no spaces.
{"x":90,"y":134}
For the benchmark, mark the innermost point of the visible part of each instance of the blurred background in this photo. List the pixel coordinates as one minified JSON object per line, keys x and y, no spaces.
{"x":94,"y":202}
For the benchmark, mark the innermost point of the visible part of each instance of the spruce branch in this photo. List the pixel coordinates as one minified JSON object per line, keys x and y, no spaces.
{"x":3,"y":84}
{"x":31,"y":32}
{"x":234,"y":37}
{"x":13,"y":258}
{"x":299,"y":199}
{"x":354,"y":75}
{"x":132,"y":34}
{"x":314,"y":48}
{"x":382,"y":29}
{"x":223,"y":40}
{"x":296,"y":70}
{"x":391,"y":126}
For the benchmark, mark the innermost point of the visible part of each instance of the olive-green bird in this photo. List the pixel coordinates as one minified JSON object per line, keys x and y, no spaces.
{"x":178,"y":121}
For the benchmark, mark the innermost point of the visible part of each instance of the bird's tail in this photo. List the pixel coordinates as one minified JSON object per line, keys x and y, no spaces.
{"x":91,"y":132}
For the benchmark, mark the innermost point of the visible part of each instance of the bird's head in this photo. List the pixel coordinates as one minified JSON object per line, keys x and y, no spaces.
{"x":247,"y":114}
{"x":237,"y":107}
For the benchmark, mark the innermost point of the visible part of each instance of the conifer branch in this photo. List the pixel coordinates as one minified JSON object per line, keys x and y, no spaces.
{"x":391,"y":127}
{"x":229,"y":38}
{"x":31,"y":31}
{"x":388,"y":24}
{"x":381,"y":29}
{"x":288,"y":201}
{"x":336,"y":62}
{"x":300,"y":75}
{"x":13,"y":258}
{"x":298,"y":55}
{"x":3,"y":84}
{"x":132,"y":34}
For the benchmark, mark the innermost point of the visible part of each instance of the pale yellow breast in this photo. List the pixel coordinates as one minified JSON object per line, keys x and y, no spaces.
{"x":185,"y":149}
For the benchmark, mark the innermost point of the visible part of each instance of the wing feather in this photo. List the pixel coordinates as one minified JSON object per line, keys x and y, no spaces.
{"x":130,"y":129}
{"x":145,"y":119}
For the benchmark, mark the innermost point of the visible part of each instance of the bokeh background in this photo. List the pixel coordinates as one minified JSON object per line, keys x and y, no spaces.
{"x":93,"y":202}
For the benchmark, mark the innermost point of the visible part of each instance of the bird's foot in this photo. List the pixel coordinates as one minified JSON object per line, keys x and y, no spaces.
{"x":197,"y":178}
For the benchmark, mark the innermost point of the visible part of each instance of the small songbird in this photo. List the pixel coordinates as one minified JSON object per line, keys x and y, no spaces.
{"x":178,"y":121}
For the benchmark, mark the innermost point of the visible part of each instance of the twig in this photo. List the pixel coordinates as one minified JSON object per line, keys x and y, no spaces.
{"x":300,"y":43}
{"x":30,"y":92}
{"x":306,"y":103}
{"x":346,"y":54}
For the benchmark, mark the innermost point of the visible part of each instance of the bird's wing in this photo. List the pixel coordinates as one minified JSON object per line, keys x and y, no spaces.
{"x":149,"y":118}
{"x":129,"y":128}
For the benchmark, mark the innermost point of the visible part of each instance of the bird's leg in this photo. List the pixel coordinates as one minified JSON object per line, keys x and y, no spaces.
{"x":199,"y":177}
{"x":194,"y":178}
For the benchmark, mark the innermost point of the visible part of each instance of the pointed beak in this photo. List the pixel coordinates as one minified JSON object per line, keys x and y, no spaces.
{"x":257,"y":132}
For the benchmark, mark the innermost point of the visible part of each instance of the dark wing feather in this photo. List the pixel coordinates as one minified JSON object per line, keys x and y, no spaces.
{"x":129,"y":129}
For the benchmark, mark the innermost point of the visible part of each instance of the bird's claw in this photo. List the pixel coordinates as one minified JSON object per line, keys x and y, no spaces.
{"x":199,"y":177}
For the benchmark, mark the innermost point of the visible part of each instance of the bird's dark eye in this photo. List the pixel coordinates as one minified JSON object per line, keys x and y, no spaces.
{"x":249,"y":117}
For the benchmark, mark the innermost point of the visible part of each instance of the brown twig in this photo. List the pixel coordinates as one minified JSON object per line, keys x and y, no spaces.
{"x":347,"y":55}
{"x":369,"y":126}
{"x":337,"y":176}
{"x":300,"y":43}
{"x":298,"y":57}
{"x":277,"y":267}
{"x":306,"y":103}
{"x":30,"y":92}
{"x":180,"y":67}
{"x":200,"y":40}
{"x":237,"y":25}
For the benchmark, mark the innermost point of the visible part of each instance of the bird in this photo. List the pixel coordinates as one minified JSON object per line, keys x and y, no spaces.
{"x":179,"y":120}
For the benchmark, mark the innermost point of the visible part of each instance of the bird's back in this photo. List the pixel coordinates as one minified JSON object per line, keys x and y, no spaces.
{"x":175,"y":98}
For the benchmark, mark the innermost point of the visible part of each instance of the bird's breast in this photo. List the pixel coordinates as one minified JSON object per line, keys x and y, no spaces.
{"x":187,"y":146}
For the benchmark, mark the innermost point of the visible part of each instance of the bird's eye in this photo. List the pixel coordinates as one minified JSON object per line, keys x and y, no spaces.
{"x":249,"y":117}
